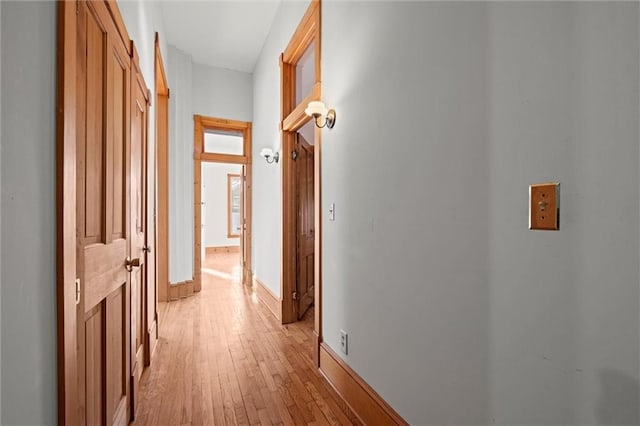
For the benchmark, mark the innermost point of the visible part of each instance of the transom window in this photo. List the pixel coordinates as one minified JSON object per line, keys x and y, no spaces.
{"x":223,"y":142}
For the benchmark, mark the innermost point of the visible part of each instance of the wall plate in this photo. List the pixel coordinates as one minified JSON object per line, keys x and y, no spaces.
{"x":544,"y":206}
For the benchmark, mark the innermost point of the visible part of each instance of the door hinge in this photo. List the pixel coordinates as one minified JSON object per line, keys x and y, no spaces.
{"x":295,"y":295}
{"x":77,"y":7}
{"x":294,"y":155}
{"x":77,"y":291}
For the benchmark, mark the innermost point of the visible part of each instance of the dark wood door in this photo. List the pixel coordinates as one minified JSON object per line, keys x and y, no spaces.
{"x":139,"y":270}
{"x":305,"y":225}
{"x":103,"y":214}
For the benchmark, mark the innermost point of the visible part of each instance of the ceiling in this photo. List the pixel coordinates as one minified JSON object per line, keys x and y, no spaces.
{"x":226,"y":34}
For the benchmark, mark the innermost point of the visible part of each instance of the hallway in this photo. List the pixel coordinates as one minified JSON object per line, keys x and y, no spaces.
{"x":224,"y":359}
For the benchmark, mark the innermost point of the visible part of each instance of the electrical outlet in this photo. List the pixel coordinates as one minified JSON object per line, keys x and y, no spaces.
{"x":344,"y":342}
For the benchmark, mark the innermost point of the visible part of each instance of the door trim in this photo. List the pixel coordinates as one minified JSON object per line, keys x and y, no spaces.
{"x":292,"y":119}
{"x":268,"y":299}
{"x":162,"y":175}
{"x":201,"y":124}
{"x":67,"y":338}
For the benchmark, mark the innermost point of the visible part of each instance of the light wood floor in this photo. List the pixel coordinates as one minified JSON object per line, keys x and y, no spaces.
{"x":223,"y":358}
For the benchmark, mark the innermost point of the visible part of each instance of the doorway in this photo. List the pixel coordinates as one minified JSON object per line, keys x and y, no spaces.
{"x":222,"y":198}
{"x":221,"y":213}
{"x":300,"y":84}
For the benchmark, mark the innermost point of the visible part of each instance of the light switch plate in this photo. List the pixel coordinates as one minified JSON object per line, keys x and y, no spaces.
{"x":332,"y":212}
{"x":544,"y":206}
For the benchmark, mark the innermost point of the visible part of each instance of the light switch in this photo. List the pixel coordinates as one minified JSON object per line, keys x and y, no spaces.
{"x":332,"y":212}
{"x":544,"y":206}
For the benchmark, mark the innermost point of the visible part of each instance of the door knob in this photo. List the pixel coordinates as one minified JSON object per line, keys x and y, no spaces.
{"x":146,"y":249}
{"x":131,"y":263}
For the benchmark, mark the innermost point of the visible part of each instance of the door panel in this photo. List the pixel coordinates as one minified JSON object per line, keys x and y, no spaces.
{"x":305,"y":224}
{"x":95,"y":100}
{"x":102,"y":209}
{"x":93,"y":340}
{"x":116,"y":378}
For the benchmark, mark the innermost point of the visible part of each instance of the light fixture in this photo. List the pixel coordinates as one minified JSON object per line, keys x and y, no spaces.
{"x":268,"y":155}
{"x":317,"y":110}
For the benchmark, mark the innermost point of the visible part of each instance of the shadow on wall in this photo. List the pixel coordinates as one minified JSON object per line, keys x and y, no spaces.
{"x":619,"y":402}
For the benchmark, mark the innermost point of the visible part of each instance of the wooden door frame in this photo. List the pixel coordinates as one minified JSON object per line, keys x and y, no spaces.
{"x":201,"y":124}
{"x":293,"y":118}
{"x":66,"y":112}
{"x":162,"y":176}
{"x":138,"y":367}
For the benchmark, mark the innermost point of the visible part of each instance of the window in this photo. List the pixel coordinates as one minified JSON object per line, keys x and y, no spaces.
{"x":221,"y":142}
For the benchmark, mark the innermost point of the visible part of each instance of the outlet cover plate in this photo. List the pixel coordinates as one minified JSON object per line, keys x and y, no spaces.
{"x":544,"y":206}
{"x":344,"y":342}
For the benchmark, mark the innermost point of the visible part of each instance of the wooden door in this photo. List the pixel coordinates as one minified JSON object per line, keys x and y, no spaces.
{"x":305,"y":225}
{"x":139,"y":270}
{"x":243,"y":227}
{"x":102,"y":226}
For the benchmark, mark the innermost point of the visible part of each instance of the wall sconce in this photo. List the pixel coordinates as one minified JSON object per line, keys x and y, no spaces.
{"x":268,"y":155}
{"x":317,"y":110}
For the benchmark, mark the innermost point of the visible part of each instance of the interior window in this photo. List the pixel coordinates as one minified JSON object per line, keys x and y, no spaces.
{"x":220,"y":142}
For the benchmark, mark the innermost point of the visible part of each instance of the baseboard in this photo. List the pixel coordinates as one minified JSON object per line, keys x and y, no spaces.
{"x":270,"y":300}
{"x":181,"y":290}
{"x":361,"y":399}
{"x":248,"y":278}
{"x":150,"y":343}
{"x":316,"y":349}
{"x":223,"y":249}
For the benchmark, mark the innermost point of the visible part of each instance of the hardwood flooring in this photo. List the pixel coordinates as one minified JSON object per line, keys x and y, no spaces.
{"x":224,"y":359}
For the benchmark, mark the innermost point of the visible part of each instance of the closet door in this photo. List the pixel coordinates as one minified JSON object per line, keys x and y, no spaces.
{"x":139,"y":249}
{"x":103,"y":214}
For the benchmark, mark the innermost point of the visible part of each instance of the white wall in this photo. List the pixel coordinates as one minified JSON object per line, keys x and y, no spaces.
{"x":222,"y":93}
{"x":405,"y":262}
{"x":267,"y":199}
{"x":456,"y":313}
{"x":565,"y":317}
{"x":0,"y":215}
{"x":214,"y":212}
{"x":204,"y":90}
{"x":180,"y":167}
{"x":28,"y":242}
